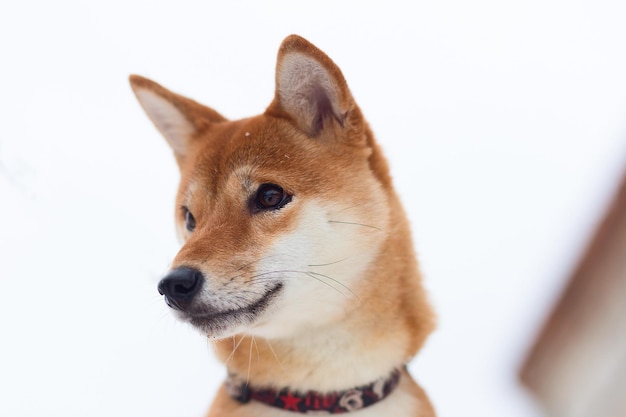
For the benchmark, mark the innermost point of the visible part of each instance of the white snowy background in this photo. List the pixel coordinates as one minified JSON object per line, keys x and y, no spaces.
{"x":505,"y":125}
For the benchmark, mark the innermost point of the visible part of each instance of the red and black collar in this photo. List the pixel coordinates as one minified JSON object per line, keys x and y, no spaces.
{"x":331,"y":403}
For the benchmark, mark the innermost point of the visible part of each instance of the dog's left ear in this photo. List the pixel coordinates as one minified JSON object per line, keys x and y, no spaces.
{"x":179,"y":119}
{"x":310,"y":89}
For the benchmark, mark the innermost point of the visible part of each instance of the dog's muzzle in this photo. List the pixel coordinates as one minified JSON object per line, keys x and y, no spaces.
{"x":180,"y":286}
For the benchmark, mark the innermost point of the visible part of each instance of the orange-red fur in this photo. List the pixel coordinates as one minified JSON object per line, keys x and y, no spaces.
{"x":385,"y":313}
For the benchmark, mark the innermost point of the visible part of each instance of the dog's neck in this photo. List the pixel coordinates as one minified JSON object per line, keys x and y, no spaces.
{"x":329,"y":359}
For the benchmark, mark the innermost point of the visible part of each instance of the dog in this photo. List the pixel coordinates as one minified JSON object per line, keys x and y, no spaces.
{"x":297,"y":258}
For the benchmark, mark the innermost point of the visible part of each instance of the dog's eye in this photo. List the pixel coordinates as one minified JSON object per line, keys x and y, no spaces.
{"x":190,"y":221}
{"x":271,"y":197}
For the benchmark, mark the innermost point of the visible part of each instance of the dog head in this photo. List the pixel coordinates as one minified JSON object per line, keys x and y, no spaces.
{"x":282,"y":215}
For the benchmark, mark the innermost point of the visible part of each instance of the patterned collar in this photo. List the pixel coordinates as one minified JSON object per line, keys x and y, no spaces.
{"x":315,"y":402}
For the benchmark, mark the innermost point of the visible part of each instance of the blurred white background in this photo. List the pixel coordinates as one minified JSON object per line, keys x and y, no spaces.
{"x":505,"y":125}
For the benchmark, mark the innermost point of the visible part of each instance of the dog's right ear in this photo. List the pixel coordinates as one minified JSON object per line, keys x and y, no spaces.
{"x":310,"y":89}
{"x":179,"y":119}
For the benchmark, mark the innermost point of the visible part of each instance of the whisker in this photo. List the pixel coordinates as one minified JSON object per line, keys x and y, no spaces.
{"x":262,"y":274}
{"x":331,"y":263}
{"x":325,"y":283}
{"x":256,"y":346}
{"x":274,"y":353}
{"x":234,"y":277}
{"x":369,"y":203}
{"x":249,"y":362}
{"x":234,"y":349}
{"x":311,"y":274}
{"x":255,"y":261}
{"x":355,"y":224}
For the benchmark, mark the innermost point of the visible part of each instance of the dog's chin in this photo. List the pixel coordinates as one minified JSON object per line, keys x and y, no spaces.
{"x":225,"y":323}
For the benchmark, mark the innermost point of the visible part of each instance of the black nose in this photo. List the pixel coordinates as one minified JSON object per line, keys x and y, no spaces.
{"x":180,"y":286}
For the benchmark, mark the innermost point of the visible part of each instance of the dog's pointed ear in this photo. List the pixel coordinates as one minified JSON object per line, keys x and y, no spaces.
{"x":179,"y":119}
{"x":310,"y":88}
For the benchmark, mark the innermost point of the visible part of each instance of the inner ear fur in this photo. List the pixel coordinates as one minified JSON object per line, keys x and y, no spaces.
{"x":310,"y":88}
{"x":179,"y":119}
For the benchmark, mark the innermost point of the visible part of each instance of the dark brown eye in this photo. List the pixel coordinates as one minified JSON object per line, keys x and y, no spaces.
{"x":271,"y":197}
{"x":190,"y":221}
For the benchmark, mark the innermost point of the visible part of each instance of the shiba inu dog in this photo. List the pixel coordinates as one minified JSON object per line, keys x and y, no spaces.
{"x":297,"y":257}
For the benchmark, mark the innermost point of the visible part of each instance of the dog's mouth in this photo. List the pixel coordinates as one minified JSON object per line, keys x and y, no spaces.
{"x":217,"y":323}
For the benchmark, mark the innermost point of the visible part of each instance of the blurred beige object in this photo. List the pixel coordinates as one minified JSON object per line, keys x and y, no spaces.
{"x":577,"y":366}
